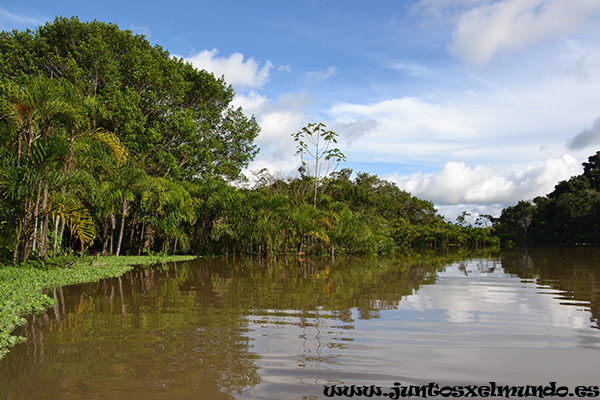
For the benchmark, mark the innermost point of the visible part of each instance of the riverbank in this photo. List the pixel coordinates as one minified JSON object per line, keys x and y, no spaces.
{"x":21,"y":287}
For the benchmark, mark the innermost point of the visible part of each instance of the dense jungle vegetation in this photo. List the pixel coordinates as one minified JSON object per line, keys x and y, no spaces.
{"x":569,"y":215}
{"x":112,"y":146}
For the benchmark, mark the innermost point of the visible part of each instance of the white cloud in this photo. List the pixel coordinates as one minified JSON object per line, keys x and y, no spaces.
{"x":409,"y":117}
{"x":318,"y":76}
{"x":251,"y":103}
{"x":494,"y":138}
{"x":349,"y":131}
{"x":507,"y":25}
{"x":411,"y":68}
{"x":459,"y":184}
{"x":498,"y":120}
{"x":237,"y":71}
{"x":278,"y":119}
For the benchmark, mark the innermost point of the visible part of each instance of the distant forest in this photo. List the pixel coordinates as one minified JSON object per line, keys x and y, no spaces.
{"x":570,"y":215}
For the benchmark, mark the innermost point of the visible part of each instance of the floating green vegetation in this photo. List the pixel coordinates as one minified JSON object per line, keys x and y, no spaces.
{"x":22,"y":286}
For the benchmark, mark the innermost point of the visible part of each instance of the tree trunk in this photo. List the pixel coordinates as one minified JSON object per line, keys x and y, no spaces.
{"x":316,"y":188}
{"x":124,"y":210}
{"x":113,"y":225}
{"x":44,"y":226}
{"x":36,"y":216}
{"x":62,"y":231}
{"x":55,"y":247}
{"x":133,"y":226}
{"x":17,"y":245}
{"x":120,"y":236}
{"x":27,"y":232}
{"x":35,"y":234}
{"x":19,"y":150}
{"x":104,"y":238}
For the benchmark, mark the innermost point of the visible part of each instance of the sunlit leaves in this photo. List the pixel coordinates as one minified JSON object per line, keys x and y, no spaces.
{"x":111,"y":140}
{"x":78,"y":219}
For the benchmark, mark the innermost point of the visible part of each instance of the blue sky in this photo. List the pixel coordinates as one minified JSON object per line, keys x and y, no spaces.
{"x":472,"y":104}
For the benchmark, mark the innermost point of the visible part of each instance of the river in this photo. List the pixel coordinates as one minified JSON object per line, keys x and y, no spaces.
{"x":252,"y":328}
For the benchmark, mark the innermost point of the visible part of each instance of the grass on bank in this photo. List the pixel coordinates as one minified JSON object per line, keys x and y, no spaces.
{"x":21,"y":286}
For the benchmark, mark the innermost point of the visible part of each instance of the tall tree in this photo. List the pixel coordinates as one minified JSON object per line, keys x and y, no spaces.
{"x":591,"y":170}
{"x":315,"y":143}
{"x":175,"y":120}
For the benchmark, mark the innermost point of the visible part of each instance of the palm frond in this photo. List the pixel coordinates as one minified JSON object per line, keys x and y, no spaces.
{"x":111,"y":140}
{"x":78,"y":219}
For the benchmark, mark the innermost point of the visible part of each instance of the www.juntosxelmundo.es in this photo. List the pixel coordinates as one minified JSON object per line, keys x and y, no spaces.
{"x":433,"y":390}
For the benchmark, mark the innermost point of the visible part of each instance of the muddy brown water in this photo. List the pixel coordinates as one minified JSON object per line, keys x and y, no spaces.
{"x":284,"y":329}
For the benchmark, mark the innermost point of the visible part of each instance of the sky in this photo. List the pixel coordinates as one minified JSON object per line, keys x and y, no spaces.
{"x":473,"y":105}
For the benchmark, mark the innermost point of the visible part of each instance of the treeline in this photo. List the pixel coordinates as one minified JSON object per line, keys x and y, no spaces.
{"x":569,"y":215}
{"x":364,"y":215}
{"x":100,"y":129}
{"x":110,"y":145}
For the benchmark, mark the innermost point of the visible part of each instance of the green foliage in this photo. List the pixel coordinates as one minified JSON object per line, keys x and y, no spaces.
{"x":174,"y":119}
{"x":362,"y":216}
{"x":112,"y":146}
{"x":98,"y":129}
{"x":22,"y":287}
{"x":569,"y":215}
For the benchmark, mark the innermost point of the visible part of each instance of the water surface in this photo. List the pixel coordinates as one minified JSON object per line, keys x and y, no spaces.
{"x":283,"y":329}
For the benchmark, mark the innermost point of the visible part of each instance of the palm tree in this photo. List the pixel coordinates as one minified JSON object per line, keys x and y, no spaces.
{"x":18,"y":181}
{"x":127,"y":183}
{"x":42,"y":132}
{"x":165,"y":206}
{"x":31,"y":112}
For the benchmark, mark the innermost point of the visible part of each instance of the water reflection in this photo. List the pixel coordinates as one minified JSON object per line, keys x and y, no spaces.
{"x":572,"y":276}
{"x":138,"y":336}
{"x":252,"y":328}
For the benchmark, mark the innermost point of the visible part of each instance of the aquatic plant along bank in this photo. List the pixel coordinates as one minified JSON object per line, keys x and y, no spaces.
{"x":22,"y":287}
